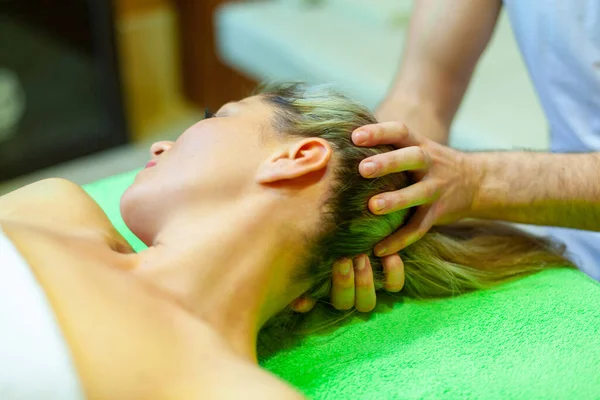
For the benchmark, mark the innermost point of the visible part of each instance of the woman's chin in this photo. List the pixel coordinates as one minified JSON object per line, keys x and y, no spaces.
{"x":143,"y":172}
{"x":129,"y":206}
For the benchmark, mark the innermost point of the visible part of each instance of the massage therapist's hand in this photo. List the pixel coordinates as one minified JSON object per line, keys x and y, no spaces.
{"x":445,"y":186}
{"x":352,"y":284}
{"x":352,"y":281}
{"x":444,"y":189}
{"x":445,"y":182}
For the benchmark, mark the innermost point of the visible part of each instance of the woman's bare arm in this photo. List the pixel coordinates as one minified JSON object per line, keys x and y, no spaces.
{"x":250,"y":382}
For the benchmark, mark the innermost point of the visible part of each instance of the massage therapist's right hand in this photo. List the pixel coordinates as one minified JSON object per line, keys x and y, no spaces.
{"x":445,"y":181}
{"x":444,"y":188}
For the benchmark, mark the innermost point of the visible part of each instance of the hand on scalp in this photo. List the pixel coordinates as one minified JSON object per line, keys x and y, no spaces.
{"x":353,"y":286}
{"x":444,"y":189}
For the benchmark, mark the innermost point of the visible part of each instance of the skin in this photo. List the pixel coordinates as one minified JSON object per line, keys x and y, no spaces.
{"x":445,"y":41}
{"x":444,"y":44}
{"x":188,"y":309}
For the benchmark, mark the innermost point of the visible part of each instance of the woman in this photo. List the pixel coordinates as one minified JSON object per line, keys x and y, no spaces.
{"x":244,"y":213}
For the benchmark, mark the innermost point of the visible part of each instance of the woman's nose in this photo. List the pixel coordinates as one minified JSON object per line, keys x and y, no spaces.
{"x":160,"y":147}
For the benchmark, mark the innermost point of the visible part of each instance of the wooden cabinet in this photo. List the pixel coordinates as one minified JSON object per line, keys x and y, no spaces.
{"x":207,"y":81}
{"x":147,"y":40}
{"x":169,"y":63}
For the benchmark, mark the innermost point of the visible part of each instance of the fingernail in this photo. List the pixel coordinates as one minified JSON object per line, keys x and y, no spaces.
{"x":359,"y":137}
{"x":360,"y":263}
{"x":379,"y":205}
{"x":369,"y":168}
{"x":344,"y":267}
{"x":299,"y":303}
{"x":380,"y":250}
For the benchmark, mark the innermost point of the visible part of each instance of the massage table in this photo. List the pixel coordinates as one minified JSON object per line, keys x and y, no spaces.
{"x":533,"y":338}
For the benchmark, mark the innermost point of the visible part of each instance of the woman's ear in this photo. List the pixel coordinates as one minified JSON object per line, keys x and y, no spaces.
{"x":295,"y":160}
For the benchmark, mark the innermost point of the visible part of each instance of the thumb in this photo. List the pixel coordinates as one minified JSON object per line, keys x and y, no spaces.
{"x":414,"y":230}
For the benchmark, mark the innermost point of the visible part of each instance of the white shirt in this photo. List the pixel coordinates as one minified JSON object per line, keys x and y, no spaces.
{"x":560,"y":42}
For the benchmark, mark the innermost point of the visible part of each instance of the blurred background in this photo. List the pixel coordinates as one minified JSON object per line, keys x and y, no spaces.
{"x":87,"y":85}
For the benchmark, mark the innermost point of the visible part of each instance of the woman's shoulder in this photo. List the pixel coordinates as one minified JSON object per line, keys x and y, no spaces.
{"x":54,"y":192}
{"x":59,"y":205}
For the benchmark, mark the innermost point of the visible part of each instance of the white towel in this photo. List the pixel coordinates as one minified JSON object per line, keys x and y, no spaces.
{"x":35,"y":362}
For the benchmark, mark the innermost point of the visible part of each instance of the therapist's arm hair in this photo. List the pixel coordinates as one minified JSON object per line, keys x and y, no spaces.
{"x":445,"y":41}
{"x":538,"y":188}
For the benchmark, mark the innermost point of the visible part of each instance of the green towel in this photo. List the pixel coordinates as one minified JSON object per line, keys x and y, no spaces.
{"x":535,"y":338}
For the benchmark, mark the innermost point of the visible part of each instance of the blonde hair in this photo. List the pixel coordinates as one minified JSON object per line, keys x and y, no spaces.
{"x":447,"y":261}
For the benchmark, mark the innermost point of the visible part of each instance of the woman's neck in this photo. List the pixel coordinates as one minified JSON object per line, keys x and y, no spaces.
{"x":229,"y":266}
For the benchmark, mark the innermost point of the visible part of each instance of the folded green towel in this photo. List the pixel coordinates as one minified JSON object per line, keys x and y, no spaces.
{"x":535,"y":338}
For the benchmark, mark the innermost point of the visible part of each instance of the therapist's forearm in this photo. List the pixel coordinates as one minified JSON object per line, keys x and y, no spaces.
{"x":538,"y":188}
{"x":445,"y":40}
{"x":420,"y":117}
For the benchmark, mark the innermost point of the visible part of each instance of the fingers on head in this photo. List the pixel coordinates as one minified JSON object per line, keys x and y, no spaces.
{"x":342,"y":290}
{"x":303,"y":304}
{"x":422,"y":192}
{"x":415,"y":229}
{"x":393,"y":269}
{"x":365,"y":288}
{"x":353,"y":284}
{"x":404,"y":159}
{"x":392,"y":132}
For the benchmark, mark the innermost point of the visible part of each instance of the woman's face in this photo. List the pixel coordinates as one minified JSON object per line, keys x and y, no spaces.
{"x":224,"y":157}
{"x":219,"y":154}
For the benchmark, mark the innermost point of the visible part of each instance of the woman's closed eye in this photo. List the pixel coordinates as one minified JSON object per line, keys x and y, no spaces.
{"x":218,"y":114}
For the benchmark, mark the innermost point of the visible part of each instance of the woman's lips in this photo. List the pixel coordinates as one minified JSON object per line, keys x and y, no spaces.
{"x":151,"y":164}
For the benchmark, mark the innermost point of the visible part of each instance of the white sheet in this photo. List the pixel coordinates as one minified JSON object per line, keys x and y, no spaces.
{"x":35,"y":362}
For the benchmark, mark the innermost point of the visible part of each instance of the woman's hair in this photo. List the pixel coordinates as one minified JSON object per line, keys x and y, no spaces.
{"x":447,"y":261}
